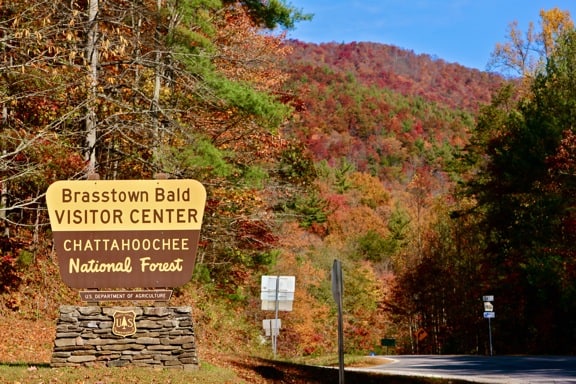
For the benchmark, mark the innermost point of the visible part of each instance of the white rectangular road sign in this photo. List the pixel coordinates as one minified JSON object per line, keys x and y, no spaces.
{"x":286,"y":284}
{"x":489,"y":315}
{"x":272,"y":326}
{"x":283,"y":305}
{"x":282,"y":296}
{"x":488,"y":298}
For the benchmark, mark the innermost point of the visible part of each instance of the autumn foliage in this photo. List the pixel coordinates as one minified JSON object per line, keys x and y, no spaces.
{"x":433,"y":183}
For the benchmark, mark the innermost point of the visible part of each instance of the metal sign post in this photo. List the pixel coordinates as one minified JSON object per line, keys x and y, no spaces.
{"x":277,"y":294}
{"x":489,"y":314}
{"x":275,"y":334}
{"x":490,"y":336}
{"x":337,"y":291}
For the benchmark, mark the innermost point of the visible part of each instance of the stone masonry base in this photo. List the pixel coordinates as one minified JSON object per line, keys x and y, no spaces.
{"x":163,"y":338}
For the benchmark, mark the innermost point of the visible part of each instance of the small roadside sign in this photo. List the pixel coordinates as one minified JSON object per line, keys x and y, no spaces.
{"x":283,"y":305}
{"x":337,"y":284}
{"x":278,"y":288}
{"x":386,"y":342}
{"x":272,"y":326}
{"x":277,"y":292}
{"x":489,"y":314}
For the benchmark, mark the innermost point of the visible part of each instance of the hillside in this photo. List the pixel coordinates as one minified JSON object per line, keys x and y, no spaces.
{"x":389,"y":67}
{"x":308,"y":153}
{"x":384,"y":109}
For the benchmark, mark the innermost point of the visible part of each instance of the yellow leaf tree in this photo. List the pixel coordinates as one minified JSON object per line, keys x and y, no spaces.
{"x":523,"y":53}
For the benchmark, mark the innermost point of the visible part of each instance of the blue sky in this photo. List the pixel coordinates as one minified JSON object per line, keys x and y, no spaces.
{"x":461,"y":31}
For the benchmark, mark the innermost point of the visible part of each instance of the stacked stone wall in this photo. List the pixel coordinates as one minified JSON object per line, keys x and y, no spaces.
{"x":164,"y":337}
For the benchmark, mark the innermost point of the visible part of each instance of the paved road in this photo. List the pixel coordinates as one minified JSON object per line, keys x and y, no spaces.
{"x":485,"y":369}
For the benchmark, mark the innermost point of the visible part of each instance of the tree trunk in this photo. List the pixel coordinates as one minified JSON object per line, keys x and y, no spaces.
{"x":92,"y":59}
{"x":156,"y":96}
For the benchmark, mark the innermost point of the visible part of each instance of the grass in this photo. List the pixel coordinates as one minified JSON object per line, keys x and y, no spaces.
{"x":207,"y":374}
{"x":23,"y":374}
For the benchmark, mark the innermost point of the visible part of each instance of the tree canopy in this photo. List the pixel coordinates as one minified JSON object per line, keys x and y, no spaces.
{"x":526,"y":206}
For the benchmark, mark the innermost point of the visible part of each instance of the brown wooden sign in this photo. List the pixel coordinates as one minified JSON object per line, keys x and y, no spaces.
{"x":126,"y":233}
{"x":143,"y":295}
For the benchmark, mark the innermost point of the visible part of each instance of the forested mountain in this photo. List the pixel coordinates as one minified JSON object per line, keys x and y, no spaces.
{"x":386,"y":110}
{"x":385,"y":128}
{"x":389,"y":67}
{"x":433,"y":183}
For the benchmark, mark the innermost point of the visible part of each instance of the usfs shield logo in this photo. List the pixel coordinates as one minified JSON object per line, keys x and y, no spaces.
{"x":124,"y":323}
